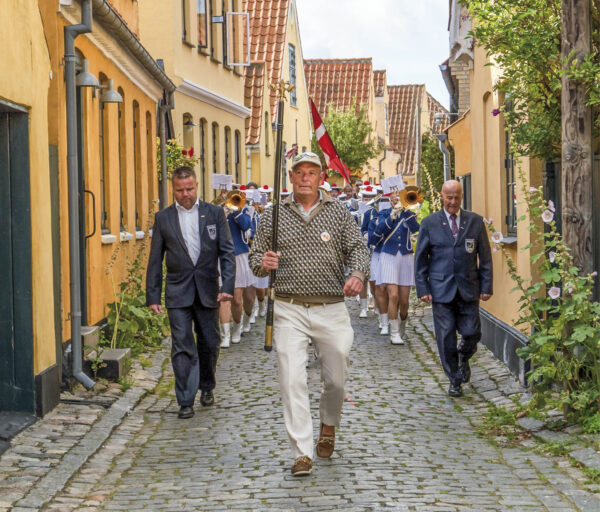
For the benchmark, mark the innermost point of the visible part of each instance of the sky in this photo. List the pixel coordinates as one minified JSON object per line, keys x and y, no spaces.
{"x":408,"y":38}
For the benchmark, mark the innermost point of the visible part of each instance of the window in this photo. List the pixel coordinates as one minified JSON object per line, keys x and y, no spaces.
{"x":293,"y":95}
{"x":213,"y":31}
{"x":284,"y":165}
{"x":203,"y":156}
{"x":266,"y":130}
{"x":465,"y":181}
{"x":227,"y":139}
{"x":387,"y":131}
{"x":215,"y":147}
{"x":104,"y":190}
{"x":184,"y":20}
{"x":202,"y":24}
{"x":511,"y":185}
{"x":149,"y":162}
{"x":137,"y":170}
{"x":224,"y":32}
{"x":237,"y":158}
{"x":122,"y":162}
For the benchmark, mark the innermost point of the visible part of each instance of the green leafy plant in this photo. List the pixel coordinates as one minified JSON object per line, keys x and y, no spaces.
{"x":96,"y":362}
{"x":351,"y":134}
{"x":558,"y":315}
{"x":131,"y":324}
{"x":177,"y":156}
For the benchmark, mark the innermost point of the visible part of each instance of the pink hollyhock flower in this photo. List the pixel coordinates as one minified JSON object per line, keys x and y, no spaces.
{"x":532,"y":190}
{"x":551,"y":206}
{"x":495,"y":112}
{"x":547,"y":216}
{"x":497,"y":237}
{"x":554,"y":292}
{"x":551,"y":256}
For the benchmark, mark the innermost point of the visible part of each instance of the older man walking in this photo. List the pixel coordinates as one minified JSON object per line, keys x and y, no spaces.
{"x":453,"y":272}
{"x":318,"y":240}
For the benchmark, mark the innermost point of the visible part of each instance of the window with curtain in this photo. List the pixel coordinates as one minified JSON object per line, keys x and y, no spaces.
{"x":292,"y":54}
{"x":137,"y":165}
{"x":202,"y":23}
{"x":122,"y":162}
{"x":227,"y":140}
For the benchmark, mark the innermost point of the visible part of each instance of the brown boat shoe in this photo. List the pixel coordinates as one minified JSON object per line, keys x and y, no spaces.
{"x":325,"y":444}
{"x":302,"y":466}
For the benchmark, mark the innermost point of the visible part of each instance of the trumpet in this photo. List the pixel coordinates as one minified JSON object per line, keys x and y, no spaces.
{"x":234,"y":200}
{"x":410,"y":196}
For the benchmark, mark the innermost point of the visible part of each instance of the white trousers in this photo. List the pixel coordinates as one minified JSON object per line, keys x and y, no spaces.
{"x":329,"y":328}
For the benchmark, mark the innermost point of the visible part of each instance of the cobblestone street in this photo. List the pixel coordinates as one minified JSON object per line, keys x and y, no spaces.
{"x":403,"y":444}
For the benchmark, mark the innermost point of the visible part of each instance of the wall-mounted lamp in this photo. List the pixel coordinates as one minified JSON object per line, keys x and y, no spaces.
{"x":110,"y":95}
{"x":85,"y":78}
{"x":189,"y":125}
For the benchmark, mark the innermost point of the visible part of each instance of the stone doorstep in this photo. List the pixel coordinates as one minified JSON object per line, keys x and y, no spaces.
{"x":11,"y":423}
{"x":115,"y":361}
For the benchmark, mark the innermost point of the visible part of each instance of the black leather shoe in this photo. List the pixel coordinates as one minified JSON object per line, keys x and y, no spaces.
{"x":185,"y":412}
{"x":207,"y":398}
{"x":455,"y":390}
{"x":465,"y":369}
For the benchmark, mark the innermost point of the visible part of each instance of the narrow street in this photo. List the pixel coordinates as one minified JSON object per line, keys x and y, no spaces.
{"x":403,"y":444}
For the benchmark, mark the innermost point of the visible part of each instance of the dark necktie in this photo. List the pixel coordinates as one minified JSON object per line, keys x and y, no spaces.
{"x":454,"y":226}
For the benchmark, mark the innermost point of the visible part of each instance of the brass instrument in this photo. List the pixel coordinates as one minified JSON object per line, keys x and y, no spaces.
{"x":410,"y":196}
{"x":234,"y":200}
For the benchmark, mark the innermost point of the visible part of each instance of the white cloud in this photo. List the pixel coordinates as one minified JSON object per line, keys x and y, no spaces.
{"x":409,"y":38}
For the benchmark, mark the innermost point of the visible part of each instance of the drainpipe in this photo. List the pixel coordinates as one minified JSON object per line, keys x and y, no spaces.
{"x":163,"y":108}
{"x":71,"y":32}
{"x":380,"y":161}
{"x":441,"y":138}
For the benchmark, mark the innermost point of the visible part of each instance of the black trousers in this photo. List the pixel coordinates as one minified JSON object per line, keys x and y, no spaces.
{"x":194,"y":361}
{"x":448,"y":318}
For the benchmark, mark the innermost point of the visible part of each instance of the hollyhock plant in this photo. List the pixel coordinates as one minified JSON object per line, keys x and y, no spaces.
{"x":547,"y":216}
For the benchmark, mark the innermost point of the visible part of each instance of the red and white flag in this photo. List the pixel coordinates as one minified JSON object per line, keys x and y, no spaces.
{"x":290,"y":153}
{"x":331,"y":156}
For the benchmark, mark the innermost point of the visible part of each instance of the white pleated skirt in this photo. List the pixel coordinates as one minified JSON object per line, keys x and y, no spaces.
{"x":398,"y":269}
{"x":243,"y":275}
{"x":262,"y":282}
{"x":374,"y":266}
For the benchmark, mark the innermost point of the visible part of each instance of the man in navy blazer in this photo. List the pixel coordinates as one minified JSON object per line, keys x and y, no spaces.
{"x":195,"y":238}
{"x":453,"y":272}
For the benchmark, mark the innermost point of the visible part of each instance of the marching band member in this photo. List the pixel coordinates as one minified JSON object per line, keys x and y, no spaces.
{"x":396,"y":263}
{"x":243,"y":297}
{"x":366,"y":194}
{"x":335,"y":191}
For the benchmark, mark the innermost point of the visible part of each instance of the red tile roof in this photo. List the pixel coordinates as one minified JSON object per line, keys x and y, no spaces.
{"x":338,"y":81}
{"x":403,"y":103}
{"x":436,"y":106}
{"x":268,"y":25}
{"x":380,"y":80}
{"x":254,"y":76}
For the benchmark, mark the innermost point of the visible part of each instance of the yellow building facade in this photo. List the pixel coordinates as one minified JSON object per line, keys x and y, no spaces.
{"x":190,"y":37}
{"x":28,"y":343}
{"x":116,"y":146}
{"x":274,"y":20}
{"x":489,"y":173}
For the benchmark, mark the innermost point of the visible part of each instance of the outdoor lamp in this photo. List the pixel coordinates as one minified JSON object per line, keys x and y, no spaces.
{"x":189,"y":124}
{"x":437,"y":118}
{"x":85,"y":78}
{"x":110,"y":95}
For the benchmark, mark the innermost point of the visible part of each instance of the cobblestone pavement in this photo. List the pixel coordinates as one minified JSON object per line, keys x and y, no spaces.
{"x":403,"y":444}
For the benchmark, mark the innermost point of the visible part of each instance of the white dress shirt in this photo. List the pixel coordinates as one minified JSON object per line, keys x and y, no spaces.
{"x":188,"y":222}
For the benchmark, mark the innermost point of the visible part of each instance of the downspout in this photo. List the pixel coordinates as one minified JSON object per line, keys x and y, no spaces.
{"x":71,"y":32}
{"x":163,"y":108}
{"x":441,"y":138}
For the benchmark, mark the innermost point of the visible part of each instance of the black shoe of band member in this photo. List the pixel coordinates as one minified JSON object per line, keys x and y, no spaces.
{"x":207,"y":398}
{"x":465,"y":369}
{"x":185,"y":412}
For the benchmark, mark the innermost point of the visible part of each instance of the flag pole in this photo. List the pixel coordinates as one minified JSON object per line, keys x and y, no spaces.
{"x":280,"y":88}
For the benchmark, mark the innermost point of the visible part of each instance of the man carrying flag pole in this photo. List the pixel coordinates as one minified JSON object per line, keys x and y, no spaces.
{"x":332,"y":159}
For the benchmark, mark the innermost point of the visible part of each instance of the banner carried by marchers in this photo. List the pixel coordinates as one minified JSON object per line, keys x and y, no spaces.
{"x":332,"y":158}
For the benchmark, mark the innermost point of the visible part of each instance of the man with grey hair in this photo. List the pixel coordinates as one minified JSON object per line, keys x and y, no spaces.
{"x":318,"y":240}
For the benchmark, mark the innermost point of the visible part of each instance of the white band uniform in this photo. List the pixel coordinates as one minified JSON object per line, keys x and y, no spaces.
{"x":398,"y":269}
{"x":243,"y":275}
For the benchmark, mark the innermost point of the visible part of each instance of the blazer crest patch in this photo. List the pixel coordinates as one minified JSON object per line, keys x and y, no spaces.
{"x":212,"y":231}
{"x":470,"y":245}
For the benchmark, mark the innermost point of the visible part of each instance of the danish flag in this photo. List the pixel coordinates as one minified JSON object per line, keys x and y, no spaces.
{"x":331,"y":156}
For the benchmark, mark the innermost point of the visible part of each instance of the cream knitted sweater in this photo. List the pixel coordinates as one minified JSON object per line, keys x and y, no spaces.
{"x":316,"y":252}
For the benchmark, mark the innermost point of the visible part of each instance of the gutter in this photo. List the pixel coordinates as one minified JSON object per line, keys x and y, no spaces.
{"x":381,"y":160}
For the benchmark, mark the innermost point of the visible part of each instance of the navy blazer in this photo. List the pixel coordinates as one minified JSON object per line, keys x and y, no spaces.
{"x":186,"y":280}
{"x":444,"y":265}
{"x":239,"y":224}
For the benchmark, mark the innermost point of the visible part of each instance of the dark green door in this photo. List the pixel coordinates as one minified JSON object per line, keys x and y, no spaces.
{"x":16,"y":335}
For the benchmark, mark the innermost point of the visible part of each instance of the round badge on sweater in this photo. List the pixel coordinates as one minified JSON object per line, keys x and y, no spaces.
{"x":325,"y":236}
